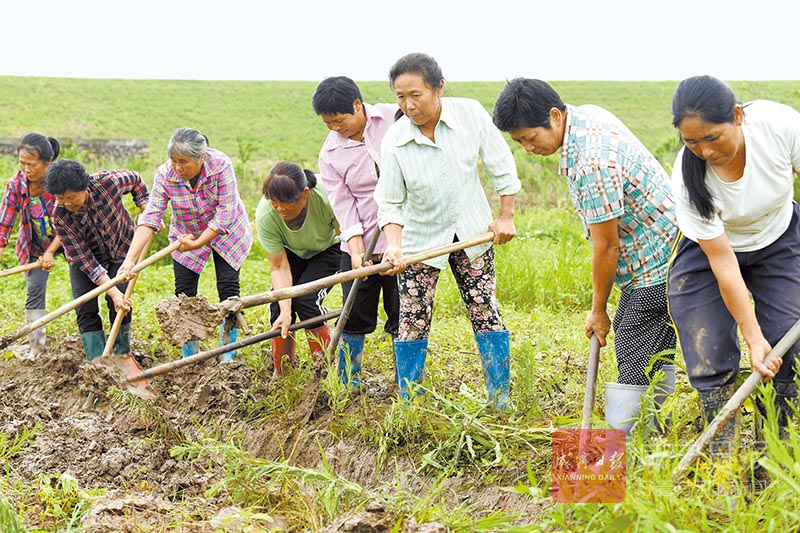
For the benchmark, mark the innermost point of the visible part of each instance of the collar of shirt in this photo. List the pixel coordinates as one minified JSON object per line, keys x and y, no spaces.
{"x":411,"y":132}
{"x":567,"y":163}
{"x":212,"y":165}
{"x":337,"y":141}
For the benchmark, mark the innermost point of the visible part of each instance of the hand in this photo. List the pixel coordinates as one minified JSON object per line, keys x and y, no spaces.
{"x":188,"y":242}
{"x":125,"y":270}
{"x":282,"y":323}
{"x":758,"y":352}
{"x":356,"y":260}
{"x":503,"y":228}
{"x":394,"y":256}
{"x":48,"y":261}
{"x":121,"y":303}
{"x":597,"y":322}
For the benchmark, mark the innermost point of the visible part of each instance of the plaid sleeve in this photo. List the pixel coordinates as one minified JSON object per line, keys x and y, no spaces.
{"x":76,"y":250}
{"x":9,"y":210}
{"x":225,"y":217}
{"x":156,"y":205}
{"x":131,"y":182}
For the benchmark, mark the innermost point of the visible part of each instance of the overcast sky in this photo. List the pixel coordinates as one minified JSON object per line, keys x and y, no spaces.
{"x":471,"y":40}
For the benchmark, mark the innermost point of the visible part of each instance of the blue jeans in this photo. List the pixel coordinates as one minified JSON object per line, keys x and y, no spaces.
{"x":707,"y":332}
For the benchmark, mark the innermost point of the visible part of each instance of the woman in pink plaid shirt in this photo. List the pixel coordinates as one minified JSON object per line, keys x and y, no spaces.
{"x":208,"y":218}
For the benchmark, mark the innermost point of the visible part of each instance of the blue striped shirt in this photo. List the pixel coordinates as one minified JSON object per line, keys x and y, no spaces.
{"x":432,"y":189}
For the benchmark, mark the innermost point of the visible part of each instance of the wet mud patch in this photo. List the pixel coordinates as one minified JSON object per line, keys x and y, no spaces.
{"x":183,"y":318}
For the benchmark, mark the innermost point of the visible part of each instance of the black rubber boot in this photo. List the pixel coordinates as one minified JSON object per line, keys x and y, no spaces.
{"x":786,"y":405}
{"x":713,"y":400}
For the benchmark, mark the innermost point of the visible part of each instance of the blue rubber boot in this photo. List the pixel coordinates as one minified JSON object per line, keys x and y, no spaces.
{"x":122,"y":344}
{"x":495,"y":352}
{"x":410,"y":361}
{"x":94,"y":342}
{"x":228,"y":337}
{"x":190,"y":348}
{"x":348,"y":365}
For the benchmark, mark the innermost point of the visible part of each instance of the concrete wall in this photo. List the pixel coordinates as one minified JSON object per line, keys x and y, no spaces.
{"x":118,"y":150}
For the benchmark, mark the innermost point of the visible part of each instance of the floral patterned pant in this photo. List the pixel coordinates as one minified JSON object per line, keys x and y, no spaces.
{"x":475,"y":280}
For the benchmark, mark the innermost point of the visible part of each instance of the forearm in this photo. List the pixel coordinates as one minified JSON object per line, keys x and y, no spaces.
{"x":737,"y":299}
{"x":356,"y":245}
{"x":55,"y":244}
{"x":394,"y":234}
{"x":506,"y":207}
{"x":604,"y":271}
{"x":207,"y":236}
{"x":140,"y":239}
{"x":281,"y":278}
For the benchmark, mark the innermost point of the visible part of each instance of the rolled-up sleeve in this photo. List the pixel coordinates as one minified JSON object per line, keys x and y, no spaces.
{"x":390,"y":192}
{"x":225,"y":215}
{"x":154,"y":212}
{"x":501,"y":168}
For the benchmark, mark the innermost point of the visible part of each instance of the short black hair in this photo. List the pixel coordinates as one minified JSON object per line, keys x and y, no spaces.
{"x":65,"y":175}
{"x":286,"y":182}
{"x":335,"y":95}
{"x":525,"y":103}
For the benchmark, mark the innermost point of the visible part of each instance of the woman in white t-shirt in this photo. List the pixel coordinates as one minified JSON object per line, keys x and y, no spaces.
{"x":733,"y":183}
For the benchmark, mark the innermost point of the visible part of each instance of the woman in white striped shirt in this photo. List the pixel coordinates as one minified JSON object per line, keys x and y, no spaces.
{"x":430,"y":194}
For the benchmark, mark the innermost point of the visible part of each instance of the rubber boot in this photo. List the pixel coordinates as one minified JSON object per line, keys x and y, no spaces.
{"x":410,"y":363}
{"x":280,"y":348}
{"x":495,"y":353}
{"x":712,"y":400}
{"x":190,"y":348}
{"x":662,"y":391}
{"x":94,"y":342}
{"x":122,"y":344}
{"x":228,"y":336}
{"x":38,"y":337}
{"x":623,"y":403}
{"x":786,"y":404}
{"x":319,"y":339}
{"x":666,"y":387}
{"x":351,"y":349}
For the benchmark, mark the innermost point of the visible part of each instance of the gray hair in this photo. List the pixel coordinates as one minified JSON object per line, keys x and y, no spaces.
{"x":188,"y":141}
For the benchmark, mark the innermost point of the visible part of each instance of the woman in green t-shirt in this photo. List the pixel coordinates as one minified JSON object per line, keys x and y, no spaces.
{"x":298,"y":230}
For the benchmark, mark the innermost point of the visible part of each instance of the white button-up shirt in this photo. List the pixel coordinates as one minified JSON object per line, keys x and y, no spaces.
{"x":432,"y":189}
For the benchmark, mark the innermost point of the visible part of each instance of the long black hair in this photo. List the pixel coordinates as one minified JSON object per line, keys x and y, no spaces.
{"x":46,"y":148}
{"x":714,"y":102}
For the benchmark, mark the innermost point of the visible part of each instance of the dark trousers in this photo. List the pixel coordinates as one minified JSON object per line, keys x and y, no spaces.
{"x":89,"y":312}
{"x":325,"y":263}
{"x":364,"y":314}
{"x":186,"y":280}
{"x":707,"y":332}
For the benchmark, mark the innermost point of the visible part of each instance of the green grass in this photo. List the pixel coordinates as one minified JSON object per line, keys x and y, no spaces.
{"x":544,"y":289}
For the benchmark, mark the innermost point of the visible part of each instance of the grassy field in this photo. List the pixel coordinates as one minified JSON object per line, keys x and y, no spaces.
{"x":543,"y":286}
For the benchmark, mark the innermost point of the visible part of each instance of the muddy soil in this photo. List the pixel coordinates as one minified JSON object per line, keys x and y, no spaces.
{"x":146,"y":489}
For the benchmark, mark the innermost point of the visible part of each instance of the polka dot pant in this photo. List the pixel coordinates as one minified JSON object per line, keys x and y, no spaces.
{"x":642,"y":328}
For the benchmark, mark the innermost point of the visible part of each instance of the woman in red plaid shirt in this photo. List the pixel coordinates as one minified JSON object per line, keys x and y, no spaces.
{"x":25,"y":196}
{"x":208,"y":218}
{"x":96,"y":230}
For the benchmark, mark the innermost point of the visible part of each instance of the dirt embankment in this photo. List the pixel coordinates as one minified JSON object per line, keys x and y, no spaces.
{"x":123,"y":445}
